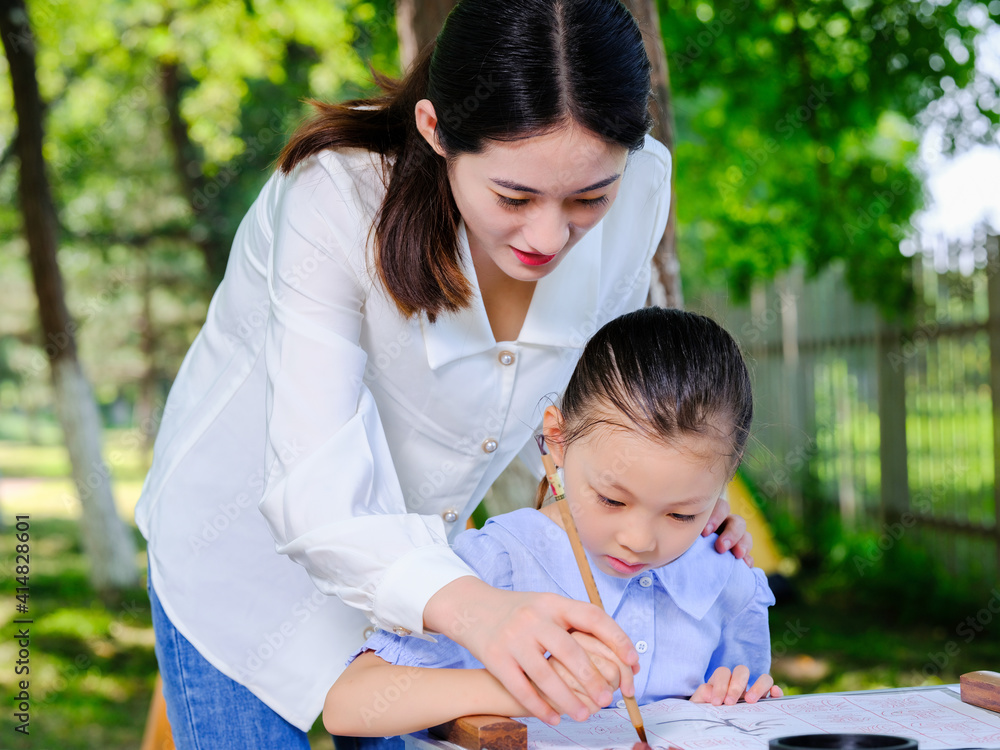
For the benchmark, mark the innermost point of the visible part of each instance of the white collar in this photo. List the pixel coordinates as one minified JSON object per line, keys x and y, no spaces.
{"x":693,"y":581}
{"x":562,"y":314}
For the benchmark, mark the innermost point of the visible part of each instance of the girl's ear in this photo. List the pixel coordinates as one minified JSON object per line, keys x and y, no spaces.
{"x":427,"y":122}
{"x":552,"y":429}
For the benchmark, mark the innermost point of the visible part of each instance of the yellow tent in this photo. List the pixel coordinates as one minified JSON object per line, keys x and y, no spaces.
{"x":765,"y":553}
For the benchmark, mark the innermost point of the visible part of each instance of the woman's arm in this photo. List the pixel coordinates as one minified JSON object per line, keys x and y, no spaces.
{"x":374,"y":698}
{"x":331,"y":496}
{"x":510,"y":632}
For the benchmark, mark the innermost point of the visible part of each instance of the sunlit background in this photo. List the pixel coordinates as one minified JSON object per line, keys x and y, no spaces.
{"x":837,"y":167}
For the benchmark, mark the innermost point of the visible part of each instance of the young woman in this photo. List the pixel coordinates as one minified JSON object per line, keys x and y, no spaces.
{"x":422,"y":270}
{"x":652,"y":427}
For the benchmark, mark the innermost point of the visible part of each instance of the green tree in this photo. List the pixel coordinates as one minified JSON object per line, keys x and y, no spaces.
{"x":161,"y":122}
{"x":109,"y":545}
{"x":796,"y":132}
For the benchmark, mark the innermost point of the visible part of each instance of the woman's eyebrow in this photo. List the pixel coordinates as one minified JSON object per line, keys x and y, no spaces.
{"x":510,"y":185}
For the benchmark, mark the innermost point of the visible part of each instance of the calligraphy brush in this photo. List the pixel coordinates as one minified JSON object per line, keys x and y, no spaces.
{"x":555,"y":483}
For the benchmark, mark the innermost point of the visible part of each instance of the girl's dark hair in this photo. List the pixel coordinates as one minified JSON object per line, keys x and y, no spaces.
{"x":500,"y":70}
{"x":669,"y":374}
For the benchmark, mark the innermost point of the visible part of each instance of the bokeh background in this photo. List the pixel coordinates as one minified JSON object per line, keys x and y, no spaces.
{"x":837,"y":205}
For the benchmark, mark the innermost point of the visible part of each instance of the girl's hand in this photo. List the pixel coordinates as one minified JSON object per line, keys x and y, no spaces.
{"x":612,"y":669}
{"x":510,"y":632}
{"x":725,"y":687}
{"x":733,"y":534}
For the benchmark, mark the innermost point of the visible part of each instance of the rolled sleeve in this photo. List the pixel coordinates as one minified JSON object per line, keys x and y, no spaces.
{"x":441,"y":653}
{"x":746,"y":638}
{"x":331,"y":497}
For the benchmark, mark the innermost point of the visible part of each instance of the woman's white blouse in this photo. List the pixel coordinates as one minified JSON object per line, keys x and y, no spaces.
{"x":318,"y":450}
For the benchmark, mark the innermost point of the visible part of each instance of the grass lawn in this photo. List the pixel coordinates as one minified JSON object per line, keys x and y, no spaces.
{"x":93,"y":666}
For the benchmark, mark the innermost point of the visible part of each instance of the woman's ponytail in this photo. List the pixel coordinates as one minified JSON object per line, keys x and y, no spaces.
{"x":416,"y":230}
{"x":500,"y":70}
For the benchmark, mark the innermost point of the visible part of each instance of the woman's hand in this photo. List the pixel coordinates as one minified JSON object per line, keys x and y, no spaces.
{"x":510,"y":633}
{"x":612,"y":669}
{"x":733,"y":534}
{"x":725,"y":687}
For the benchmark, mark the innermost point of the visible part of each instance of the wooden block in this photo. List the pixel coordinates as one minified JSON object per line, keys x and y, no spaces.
{"x":981,"y":689}
{"x":484,"y":733}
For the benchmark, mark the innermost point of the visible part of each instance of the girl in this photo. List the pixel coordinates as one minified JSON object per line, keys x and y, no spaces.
{"x":652,"y":427}
{"x":422,"y":269}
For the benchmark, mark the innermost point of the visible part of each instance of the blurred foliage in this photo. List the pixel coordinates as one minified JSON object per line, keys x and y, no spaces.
{"x":93,"y":667}
{"x":796,"y":129}
{"x":884,"y":569}
{"x":147,"y":212}
{"x":796,"y":132}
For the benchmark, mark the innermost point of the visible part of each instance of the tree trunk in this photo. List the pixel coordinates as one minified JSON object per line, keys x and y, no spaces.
{"x":106,"y":540}
{"x":197,"y":191}
{"x":417,"y":23}
{"x":666,"y":286}
{"x":146,"y":417}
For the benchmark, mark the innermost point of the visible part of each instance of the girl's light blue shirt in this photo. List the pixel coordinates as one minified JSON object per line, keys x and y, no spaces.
{"x":700,"y":612}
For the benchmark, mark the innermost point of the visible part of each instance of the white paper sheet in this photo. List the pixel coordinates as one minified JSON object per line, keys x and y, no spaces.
{"x":936,"y":718}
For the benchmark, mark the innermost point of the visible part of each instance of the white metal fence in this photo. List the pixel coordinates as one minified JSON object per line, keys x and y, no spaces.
{"x":896,"y":425}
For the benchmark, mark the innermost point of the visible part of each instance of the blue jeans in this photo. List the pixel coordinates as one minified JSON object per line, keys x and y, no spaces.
{"x":210,"y":711}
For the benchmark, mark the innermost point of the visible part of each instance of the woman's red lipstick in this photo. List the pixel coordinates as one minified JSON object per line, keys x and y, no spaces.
{"x":532,"y":259}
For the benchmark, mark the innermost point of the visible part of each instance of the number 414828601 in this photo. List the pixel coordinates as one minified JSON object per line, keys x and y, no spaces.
{"x":22,"y":533}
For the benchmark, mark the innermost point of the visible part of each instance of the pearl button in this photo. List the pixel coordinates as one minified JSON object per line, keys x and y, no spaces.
{"x":369,"y":632}
{"x":400,"y":630}
{"x":620,"y":704}
{"x":645,"y":582}
{"x":506,"y":358}
{"x":450,"y":516}
{"x":489,"y":445}
{"x":641,"y":646}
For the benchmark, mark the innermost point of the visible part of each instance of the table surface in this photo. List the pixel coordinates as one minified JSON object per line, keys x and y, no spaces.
{"x":424,"y":741}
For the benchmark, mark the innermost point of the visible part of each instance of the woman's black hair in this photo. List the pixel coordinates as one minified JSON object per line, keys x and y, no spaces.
{"x":500,"y":70}
{"x":668,"y":374}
